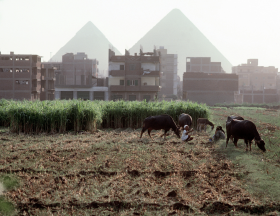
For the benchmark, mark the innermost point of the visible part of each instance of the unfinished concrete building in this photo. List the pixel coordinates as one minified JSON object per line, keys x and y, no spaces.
{"x":20,"y":76}
{"x":209,"y":88}
{"x":77,"y":78}
{"x":47,"y":83}
{"x":257,"y":84}
{"x":168,"y":80}
{"x":134,"y":77}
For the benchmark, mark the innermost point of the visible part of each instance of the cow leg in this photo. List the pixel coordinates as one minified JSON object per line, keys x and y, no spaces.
{"x":246,"y":141}
{"x":227,"y":140}
{"x":250,"y":142}
{"x":235,"y":141}
{"x":197,"y":127}
{"x":143,"y":130}
{"x":149,"y":132}
{"x":205,"y":127}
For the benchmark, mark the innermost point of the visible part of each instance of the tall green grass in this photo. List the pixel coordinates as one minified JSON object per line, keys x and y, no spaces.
{"x":61,"y":116}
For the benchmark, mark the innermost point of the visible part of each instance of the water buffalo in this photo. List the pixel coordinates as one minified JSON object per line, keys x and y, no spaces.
{"x":185,"y":119}
{"x":160,"y":122}
{"x":244,"y":129}
{"x":204,"y":122}
{"x":229,"y":118}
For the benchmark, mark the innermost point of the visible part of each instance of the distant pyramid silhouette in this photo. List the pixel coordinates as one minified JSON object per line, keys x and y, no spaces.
{"x":91,"y":40}
{"x":180,"y":36}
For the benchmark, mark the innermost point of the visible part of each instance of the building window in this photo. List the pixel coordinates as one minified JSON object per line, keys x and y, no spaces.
{"x":131,"y":67}
{"x":121,"y":82}
{"x":66,"y":95}
{"x":132,"y":82}
{"x":132,"y":97}
{"x":121,"y":67}
{"x":22,"y":82}
{"x":99,"y":95}
{"x":84,"y":95}
{"x":7,"y":58}
{"x":6,"y":70}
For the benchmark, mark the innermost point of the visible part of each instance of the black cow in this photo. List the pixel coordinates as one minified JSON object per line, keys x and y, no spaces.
{"x":160,"y":122}
{"x":185,"y":119}
{"x":244,"y":129}
{"x":229,"y":118}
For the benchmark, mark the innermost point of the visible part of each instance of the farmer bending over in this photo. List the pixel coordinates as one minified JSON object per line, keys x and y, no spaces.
{"x":219,"y":134}
{"x":185,"y":137}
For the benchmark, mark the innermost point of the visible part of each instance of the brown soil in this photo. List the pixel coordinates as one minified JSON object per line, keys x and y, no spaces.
{"x":116,"y":172}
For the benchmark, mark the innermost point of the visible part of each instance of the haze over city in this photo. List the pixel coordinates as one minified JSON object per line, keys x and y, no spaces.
{"x":238,"y":29}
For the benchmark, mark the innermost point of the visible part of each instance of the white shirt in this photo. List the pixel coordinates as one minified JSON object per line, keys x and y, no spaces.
{"x":184,"y":135}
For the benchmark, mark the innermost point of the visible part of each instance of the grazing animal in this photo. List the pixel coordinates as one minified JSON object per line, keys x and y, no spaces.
{"x":244,"y":129}
{"x":160,"y":122}
{"x":229,"y":118}
{"x":185,"y":119}
{"x":204,"y":122}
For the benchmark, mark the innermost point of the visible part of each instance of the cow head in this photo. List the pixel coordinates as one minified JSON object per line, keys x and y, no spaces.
{"x":260,"y":144}
{"x":177,"y":131}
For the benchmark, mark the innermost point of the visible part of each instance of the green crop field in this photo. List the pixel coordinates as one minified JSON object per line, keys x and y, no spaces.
{"x":110,"y":171}
{"x":62,"y":116}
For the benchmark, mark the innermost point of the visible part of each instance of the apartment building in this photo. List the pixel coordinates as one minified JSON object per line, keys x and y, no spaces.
{"x":255,"y":77}
{"x":20,"y":76}
{"x":209,"y":88}
{"x":203,"y":64}
{"x":257,"y":84}
{"x":77,"y":78}
{"x":168,"y":80}
{"x":134,"y":77}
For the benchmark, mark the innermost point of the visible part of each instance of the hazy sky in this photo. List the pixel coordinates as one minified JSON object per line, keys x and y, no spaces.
{"x":240,"y":29}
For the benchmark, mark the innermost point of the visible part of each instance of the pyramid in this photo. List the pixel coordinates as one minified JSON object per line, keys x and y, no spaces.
{"x":180,"y":36}
{"x":90,"y":40}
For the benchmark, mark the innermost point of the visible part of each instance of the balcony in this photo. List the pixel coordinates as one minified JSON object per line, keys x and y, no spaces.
{"x":151,"y":74}
{"x":117,"y":73}
{"x":132,"y":88}
{"x":150,"y":88}
{"x":117,"y":88}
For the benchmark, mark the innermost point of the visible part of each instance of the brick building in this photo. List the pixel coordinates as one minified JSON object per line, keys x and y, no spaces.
{"x":203,"y":64}
{"x":209,"y":88}
{"x":77,"y":78}
{"x":134,"y":77}
{"x":168,"y":80}
{"x":20,"y":76}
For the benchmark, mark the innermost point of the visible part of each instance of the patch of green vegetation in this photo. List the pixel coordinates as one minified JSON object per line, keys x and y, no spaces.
{"x":9,"y":181}
{"x":259,"y":171}
{"x":6,"y":208}
{"x":76,"y":115}
{"x":246,"y":105}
